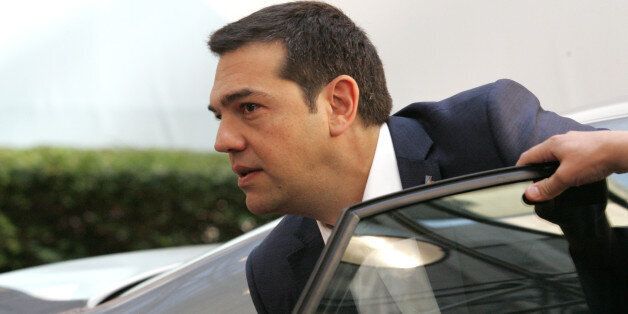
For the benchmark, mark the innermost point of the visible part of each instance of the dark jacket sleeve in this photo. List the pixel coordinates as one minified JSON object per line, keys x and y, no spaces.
{"x":599,"y":252}
{"x":486,"y":128}
{"x":518,"y":122}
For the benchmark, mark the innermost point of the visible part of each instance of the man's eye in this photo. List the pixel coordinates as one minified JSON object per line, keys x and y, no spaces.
{"x":248,"y":107}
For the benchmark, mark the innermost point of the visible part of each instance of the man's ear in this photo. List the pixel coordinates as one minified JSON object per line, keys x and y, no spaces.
{"x":343,"y":95}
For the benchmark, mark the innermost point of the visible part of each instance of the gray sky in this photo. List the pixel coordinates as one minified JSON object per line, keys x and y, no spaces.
{"x":92,"y":73}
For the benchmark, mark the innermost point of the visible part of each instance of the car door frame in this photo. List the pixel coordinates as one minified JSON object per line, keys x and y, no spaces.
{"x":342,"y":233}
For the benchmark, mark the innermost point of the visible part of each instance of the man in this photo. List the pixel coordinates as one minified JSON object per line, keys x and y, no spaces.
{"x":304,"y":109}
{"x":584,"y":157}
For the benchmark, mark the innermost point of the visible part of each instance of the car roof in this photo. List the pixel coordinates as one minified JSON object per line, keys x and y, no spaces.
{"x":602,"y":113}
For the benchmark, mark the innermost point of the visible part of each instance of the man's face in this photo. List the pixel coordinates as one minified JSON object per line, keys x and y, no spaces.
{"x":276,"y":146}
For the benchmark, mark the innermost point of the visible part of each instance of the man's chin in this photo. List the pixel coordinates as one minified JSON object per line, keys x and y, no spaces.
{"x":258,"y":207}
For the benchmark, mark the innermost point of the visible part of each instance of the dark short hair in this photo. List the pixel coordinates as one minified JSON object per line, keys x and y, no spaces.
{"x":321,"y":43}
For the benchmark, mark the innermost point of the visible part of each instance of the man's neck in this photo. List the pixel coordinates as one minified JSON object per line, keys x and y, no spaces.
{"x":383,"y":177}
{"x":346,"y":186}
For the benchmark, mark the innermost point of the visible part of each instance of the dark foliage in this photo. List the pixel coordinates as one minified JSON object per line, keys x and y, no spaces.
{"x":59,"y":204}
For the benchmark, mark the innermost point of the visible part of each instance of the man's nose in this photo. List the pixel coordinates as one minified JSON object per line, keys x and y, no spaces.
{"x":228,"y":139}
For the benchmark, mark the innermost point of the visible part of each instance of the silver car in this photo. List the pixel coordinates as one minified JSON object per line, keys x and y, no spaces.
{"x":466,"y":244}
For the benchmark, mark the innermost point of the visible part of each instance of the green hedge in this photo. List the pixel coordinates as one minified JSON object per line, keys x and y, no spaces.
{"x":58,"y":204}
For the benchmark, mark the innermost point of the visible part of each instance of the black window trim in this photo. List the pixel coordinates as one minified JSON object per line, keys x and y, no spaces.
{"x":341,"y":235}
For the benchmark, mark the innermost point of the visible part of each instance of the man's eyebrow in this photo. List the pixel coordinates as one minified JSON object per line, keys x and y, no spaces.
{"x":235,"y":96}
{"x":232,"y":97}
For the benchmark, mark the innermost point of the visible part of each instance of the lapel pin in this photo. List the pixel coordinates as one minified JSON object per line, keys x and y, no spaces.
{"x":428,"y":180}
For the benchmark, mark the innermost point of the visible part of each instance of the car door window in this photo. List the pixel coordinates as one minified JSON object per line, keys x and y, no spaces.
{"x":617,"y":183}
{"x":477,"y":251}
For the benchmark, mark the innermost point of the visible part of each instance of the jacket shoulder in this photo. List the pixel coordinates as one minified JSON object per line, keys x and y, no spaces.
{"x":503,"y":90}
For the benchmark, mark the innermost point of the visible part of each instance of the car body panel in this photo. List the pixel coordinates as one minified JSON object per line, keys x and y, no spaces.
{"x":96,"y":277}
{"x":601,"y":114}
{"x":213,"y":283}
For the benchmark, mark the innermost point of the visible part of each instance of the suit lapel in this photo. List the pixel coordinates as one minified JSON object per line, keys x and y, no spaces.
{"x":308,"y":245}
{"x":412,"y":144}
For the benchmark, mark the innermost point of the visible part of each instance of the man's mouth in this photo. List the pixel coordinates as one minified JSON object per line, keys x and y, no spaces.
{"x":245,"y":172}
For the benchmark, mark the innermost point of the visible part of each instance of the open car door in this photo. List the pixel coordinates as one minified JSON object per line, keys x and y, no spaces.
{"x":471,"y":245}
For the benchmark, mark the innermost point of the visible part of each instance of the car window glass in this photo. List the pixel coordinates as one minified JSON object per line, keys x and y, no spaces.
{"x":617,"y":183}
{"x":478,"y":251}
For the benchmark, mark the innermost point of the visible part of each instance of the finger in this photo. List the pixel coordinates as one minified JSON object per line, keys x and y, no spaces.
{"x":537,"y":154}
{"x":545,"y":189}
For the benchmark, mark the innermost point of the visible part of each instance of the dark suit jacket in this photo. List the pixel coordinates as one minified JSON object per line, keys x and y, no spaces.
{"x":484,"y":128}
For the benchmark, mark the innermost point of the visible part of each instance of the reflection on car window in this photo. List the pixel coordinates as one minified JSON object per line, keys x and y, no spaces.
{"x":480,"y":251}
